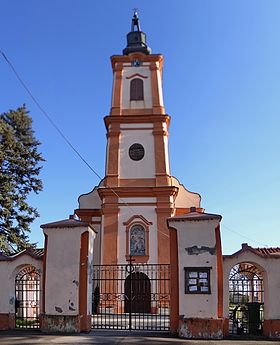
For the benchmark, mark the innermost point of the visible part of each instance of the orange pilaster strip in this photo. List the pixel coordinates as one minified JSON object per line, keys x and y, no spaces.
{"x":219,"y":272}
{"x":113,"y":155}
{"x":83,"y":282}
{"x":43,"y":306}
{"x":174,"y":282}
{"x":163,"y":235}
{"x":155,"y":89}
{"x":110,"y":234}
{"x":117,"y":92}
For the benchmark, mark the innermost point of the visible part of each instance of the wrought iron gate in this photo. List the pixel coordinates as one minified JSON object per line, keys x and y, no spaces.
{"x":246,"y":297}
{"x":27,"y":298}
{"x":131,"y":297}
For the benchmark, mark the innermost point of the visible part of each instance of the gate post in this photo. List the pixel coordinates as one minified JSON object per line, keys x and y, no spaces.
{"x":174,"y":283}
{"x":67,"y":276}
{"x":198,"y":280}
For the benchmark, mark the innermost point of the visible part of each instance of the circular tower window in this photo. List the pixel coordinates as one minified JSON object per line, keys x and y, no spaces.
{"x":136,"y":152}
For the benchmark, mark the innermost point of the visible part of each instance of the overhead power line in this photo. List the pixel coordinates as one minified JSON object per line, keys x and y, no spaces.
{"x":244,"y":236}
{"x":45,"y":113}
{"x":73,"y":148}
{"x":48,"y":116}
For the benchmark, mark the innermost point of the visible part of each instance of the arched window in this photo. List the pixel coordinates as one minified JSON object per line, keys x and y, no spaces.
{"x":137,"y":240}
{"x":136,"y":90}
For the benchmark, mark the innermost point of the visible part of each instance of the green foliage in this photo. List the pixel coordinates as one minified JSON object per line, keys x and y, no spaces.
{"x":23,"y":323}
{"x":19,"y":170}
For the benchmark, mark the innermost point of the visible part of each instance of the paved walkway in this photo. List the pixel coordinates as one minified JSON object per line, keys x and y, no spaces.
{"x":114,"y":338}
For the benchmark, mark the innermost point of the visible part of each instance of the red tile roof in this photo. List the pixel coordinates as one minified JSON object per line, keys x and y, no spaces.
{"x":66,"y":223}
{"x":195,"y":216}
{"x":269,"y":251}
{"x":36,"y":253}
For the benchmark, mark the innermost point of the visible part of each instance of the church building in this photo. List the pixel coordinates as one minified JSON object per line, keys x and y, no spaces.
{"x":140,"y":253}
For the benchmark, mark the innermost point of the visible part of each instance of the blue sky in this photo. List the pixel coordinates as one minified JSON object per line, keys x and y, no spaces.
{"x":221,"y":87}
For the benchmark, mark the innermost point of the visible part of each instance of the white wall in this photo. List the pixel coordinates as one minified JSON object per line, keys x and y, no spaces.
{"x":144,"y":168}
{"x":90,"y":200}
{"x":128,"y":71}
{"x":197,"y":233}
{"x":160,"y":86}
{"x":184,"y":197}
{"x":62,"y":273}
{"x":166,"y":150}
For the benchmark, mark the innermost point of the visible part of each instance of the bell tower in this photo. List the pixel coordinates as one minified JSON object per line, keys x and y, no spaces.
{"x":137,"y":127}
{"x":138,"y":193}
{"x":137,"y":188}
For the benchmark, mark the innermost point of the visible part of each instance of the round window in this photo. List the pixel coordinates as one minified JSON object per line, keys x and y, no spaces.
{"x":136,"y":152}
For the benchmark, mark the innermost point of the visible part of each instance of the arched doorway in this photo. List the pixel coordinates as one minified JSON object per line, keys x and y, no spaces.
{"x":27,"y":298}
{"x":137,"y":289}
{"x":246,"y":300}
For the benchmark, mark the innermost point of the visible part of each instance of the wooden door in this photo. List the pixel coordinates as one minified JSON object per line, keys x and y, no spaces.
{"x":138,"y":293}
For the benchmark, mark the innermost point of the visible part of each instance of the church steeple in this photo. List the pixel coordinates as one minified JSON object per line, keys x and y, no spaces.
{"x":136,"y":39}
{"x":138,"y":189}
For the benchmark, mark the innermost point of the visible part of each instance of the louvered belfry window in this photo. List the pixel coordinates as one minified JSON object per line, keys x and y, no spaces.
{"x":136,"y":90}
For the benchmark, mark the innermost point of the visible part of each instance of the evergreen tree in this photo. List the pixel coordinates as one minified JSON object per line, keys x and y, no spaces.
{"x":19,"y":170}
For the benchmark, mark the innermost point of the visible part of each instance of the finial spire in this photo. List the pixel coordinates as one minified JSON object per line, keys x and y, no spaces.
{"x":136,"y":39}
{"x":135,"y":20}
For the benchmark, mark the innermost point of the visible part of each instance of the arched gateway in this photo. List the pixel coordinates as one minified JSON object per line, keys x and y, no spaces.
{"x":27,"y":298}
{"x":246,"y":300}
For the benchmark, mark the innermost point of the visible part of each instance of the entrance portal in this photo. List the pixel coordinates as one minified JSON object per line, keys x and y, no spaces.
{"x":27,"y":298}
{"x":246,"y":300}
{"x":132,"y":296}
{"x":137,"y":289}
